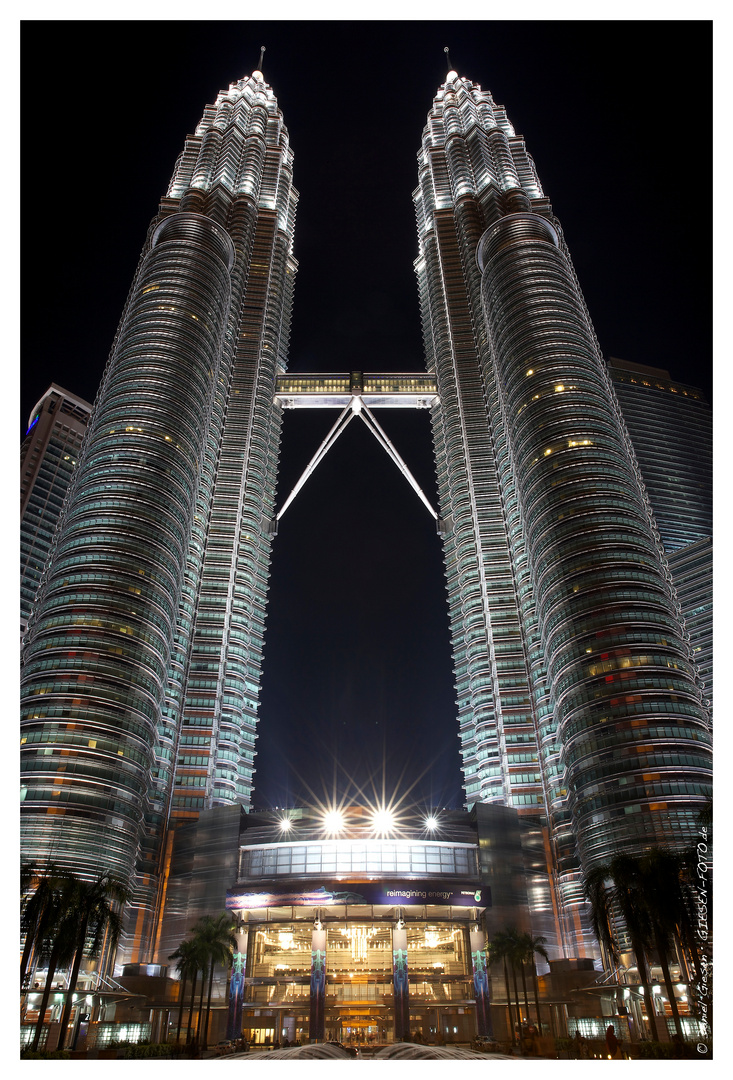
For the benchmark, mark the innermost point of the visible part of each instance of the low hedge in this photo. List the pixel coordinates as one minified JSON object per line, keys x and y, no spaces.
{"x":30,"y":1055}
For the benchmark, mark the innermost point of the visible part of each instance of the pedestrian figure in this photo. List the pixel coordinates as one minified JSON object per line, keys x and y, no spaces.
{"x":680,"y":1047}
{"x":614,"y":1046}
{"x":531,"y":1039}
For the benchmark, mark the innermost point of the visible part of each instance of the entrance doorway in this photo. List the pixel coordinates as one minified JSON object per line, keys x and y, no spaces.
{"x":361,"y":1029}
{"x":262,"y":1036}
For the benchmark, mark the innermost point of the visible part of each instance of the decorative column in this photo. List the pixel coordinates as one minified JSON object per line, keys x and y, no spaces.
{"x":481,"y":985}
{"x":401,"y":983}
{"x":317,"y":1021}
{"x":236,"y":985}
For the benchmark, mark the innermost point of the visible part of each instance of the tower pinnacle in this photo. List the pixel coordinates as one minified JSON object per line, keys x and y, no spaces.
{"x":257,"y":73}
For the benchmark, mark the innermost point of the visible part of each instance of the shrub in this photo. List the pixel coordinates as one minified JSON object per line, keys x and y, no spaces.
{"x":149,"y":1050}
{"x":666,"y":1051}
{"x":30,"y":1055}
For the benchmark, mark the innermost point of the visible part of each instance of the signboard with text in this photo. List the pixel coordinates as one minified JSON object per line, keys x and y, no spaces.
{"x":397,"y":894}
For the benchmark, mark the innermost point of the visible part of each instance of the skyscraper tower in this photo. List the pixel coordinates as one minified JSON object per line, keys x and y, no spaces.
{"x":48,"y":457}
{"x":576,"y":685}
{"x":142,"y":658}
{"x":577,"y":695}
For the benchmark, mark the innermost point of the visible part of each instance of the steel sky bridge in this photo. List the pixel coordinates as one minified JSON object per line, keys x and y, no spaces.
{"x":356,"y":394}
{"x":329,"y":391}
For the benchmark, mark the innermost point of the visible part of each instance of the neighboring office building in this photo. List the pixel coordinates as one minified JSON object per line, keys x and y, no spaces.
{"x":692,"y":573}
{"x":670,"y":425}
{"x":576,"y":693}
{"x":48,"y":456}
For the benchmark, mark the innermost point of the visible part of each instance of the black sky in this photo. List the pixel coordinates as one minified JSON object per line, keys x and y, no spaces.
{"x":357,"y":664}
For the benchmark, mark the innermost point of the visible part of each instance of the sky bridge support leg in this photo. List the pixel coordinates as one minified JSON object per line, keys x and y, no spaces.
{"x":371,"y":422}
{"x":356,"y":407}
{"x":344,"y":418}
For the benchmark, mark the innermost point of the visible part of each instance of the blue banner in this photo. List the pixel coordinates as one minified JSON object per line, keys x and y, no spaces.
{"x":481,"y":985}
{"x":236,"y":987}
{"x":401,"y":985}
{"x":317,"y":1025}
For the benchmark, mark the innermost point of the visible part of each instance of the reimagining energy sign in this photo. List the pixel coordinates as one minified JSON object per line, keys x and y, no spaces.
{"x":456,"y":894}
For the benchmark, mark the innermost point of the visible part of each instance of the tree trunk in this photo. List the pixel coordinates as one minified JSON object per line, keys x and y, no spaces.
{"x":688,"y":941}
{"x":519,"y":1007}
{"x":536,"y":998}
{"x":208,"y":1006}
{"x":524,"y":988}
{"x":201,"y":1007}
{"x":190,"y":1011}
{"x":46,"y":995}
{"x":27,"y":950}
{"x":509,"y":1002}
{"x":81,"y":941}
{"x":180,"y":1006}
{"x":662,"y":952}
{"x":644,"y":976}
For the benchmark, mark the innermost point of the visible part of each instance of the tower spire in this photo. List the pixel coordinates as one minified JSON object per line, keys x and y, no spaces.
{"x":262,"y":55}
{"x":447,"y":57}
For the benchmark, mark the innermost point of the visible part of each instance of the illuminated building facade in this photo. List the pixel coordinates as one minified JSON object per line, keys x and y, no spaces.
{"x":376,"y":898}
{"x":579,"y":705}
{"x":142,"y":657}
{"x":48,"y":457}
{"x":568,"y":646}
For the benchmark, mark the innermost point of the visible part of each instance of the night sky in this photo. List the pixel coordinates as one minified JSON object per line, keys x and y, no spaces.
{"x":357,"y":686}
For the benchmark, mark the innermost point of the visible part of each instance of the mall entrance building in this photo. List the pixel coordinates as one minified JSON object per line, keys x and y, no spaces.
{"x":358,"y":994}
{"x":373,"y":956}
{"x":360,"y":928}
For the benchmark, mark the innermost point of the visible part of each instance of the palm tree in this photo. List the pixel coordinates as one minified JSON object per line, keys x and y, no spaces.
{"x":193,"y":955}
{"x":58,"y":942}
{"x":198,"y":964}
{"x":652,"y":894}
{"x":188,"y":964}
{"x":595,"y":886}
{"x":37,"y":911}
{"x":499,"y":948}
{"x":518,"y":955}
{"x":95,"y":909}
{"x":204,"y":966}
{"x":534,"y":945}
{"x":619,"y":886}
{"x":686,"y":926}
{"x":663,"y":892}
{"x":217,"y":942}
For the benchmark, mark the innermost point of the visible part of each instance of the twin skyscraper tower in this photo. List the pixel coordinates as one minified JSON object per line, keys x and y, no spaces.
{"x":579,"y":700}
